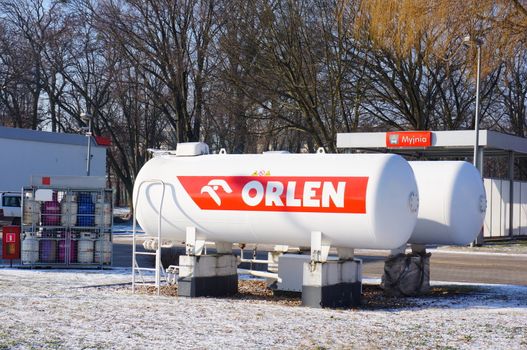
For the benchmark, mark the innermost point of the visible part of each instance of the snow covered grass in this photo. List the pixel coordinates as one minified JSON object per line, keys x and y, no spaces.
{"x":96,"y":310}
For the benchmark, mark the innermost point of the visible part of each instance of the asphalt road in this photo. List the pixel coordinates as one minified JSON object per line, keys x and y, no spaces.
{"x":495,"y":268}
{"x":450,"y":266}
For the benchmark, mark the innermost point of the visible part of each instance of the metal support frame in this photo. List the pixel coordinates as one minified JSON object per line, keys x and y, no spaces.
{"x":319,"y":247}
{"x":158,"y":266}
{"x":193,"y":245}
{"x":253,"y":260}
{"x":334,"y":283}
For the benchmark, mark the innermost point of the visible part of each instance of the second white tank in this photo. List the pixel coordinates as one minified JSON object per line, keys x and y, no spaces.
{"x":452,"y":202}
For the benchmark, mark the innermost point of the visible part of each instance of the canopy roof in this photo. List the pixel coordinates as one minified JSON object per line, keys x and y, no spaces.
{"x":457,"y":143}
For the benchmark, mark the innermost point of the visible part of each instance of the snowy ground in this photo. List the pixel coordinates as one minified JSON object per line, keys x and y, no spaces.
{"x":96,"y":310}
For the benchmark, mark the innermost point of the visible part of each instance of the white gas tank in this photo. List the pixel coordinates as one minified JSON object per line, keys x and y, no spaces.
{"x":452,"y":202}
{"x":355,"y":200}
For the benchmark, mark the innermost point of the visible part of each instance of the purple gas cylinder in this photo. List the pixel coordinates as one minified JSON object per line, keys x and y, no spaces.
{"x":51,"y":212}
{"x":62,"y":250}
{"x":47,"y":249}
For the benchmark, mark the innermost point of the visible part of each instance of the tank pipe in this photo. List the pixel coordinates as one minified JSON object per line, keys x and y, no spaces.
{"x":255,"y":261}
{"x":264,"y":274}
{"x":158,"y":250}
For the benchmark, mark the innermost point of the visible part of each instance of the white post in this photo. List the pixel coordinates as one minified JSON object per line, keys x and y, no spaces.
{"x":476,"y":121}
{"x":87,"y":116}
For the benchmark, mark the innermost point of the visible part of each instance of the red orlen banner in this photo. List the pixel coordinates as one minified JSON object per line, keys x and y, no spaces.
{"x":408,"y":139}
{"x":278,"y":193}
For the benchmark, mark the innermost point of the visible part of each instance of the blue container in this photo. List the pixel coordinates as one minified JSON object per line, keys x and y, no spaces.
{"x":85,"y":210}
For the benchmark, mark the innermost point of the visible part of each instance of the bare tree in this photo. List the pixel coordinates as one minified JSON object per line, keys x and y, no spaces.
{"x":28,"y":22}
{"x":291,"y":59}
{"x":513,"y":94}
{"x":169,"y":40}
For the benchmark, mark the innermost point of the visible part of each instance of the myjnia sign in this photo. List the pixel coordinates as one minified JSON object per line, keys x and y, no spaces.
{"x":408,"y":139}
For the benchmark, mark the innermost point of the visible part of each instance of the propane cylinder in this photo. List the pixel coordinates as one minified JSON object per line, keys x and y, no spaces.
{"x":355,"y":200}
{"x":31,"y":210}
{"x":85,"y":248}
{"x":103,"y":214}
{"x":68,"y":208}
{"x":51,"y":212}
{"x":103,"y":251}
{"x":452,"y":202}
{"x":85,"y":209}
{"x":29,"y":249}
{"x":62,"y":250}
{"x":48,"y":250}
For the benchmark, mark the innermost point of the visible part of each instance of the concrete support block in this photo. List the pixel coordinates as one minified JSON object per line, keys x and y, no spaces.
{"x":207,"y":275}
{"x":334,"y":284}
{"x":290,"y":270}
{"x":217,"y":286}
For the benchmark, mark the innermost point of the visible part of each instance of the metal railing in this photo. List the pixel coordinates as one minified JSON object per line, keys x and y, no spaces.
{"x":158,"y":265}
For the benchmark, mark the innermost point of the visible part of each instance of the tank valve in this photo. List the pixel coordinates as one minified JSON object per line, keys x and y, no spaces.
{"x":482,"y":203}
{"x":413,"y":202}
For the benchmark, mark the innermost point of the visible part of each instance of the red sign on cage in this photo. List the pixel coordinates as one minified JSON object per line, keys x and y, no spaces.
{"x":11,"y":242}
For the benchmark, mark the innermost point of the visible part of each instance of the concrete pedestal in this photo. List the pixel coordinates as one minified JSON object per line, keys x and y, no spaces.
{"x":333,"y":284}
{"x":207,"y":275}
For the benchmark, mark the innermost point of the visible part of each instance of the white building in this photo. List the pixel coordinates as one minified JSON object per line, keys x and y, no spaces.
{"x":25,"y":153}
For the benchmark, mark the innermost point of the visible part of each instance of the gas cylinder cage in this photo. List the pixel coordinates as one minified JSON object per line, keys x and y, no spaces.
{"x":73,"y":229}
